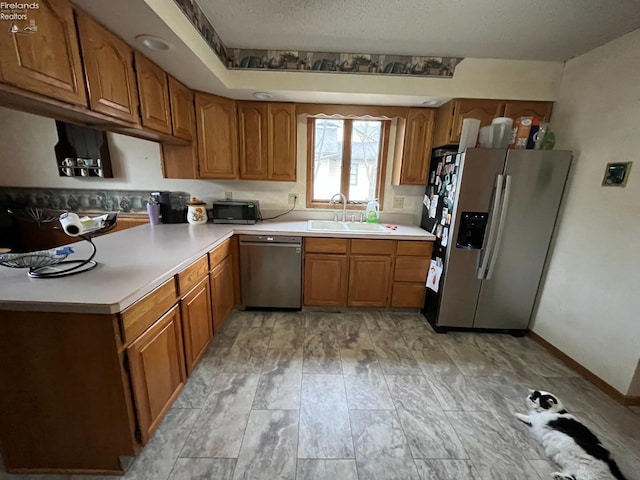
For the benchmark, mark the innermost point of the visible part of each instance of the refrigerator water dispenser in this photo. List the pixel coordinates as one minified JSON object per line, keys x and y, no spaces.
{"x":471,"y":231}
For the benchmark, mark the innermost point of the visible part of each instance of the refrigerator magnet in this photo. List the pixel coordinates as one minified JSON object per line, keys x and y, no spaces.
{"x":439,"y":229}
{"x":445,"y":237}
{"x":433,"y":176}
{"x":433,"y":279}
{"x":426,"y":202}
{"x":439,"y":169}
{"x":447,"y":179}
{"x":448,"y":220}
{"x":445,"y":212}
{"x":433,"y":207}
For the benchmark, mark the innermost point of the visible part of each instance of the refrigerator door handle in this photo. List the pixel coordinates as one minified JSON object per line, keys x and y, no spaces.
{"x":486,"y":255}
{"x":503,"y":214}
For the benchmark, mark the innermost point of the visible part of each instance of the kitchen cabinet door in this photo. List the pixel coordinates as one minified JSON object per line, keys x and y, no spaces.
{"x":153,"y":88}
{"x":515,"y":109}
{"x":197,"y":323}
{"x":252,"y":120}
{"x":411,"y":167}
{"x":182,"y":110}
{"x":369,"y":280}
{"x":485,"y":110}
{"x":108,"y":63}
{"x":217,"y":126}
{"x":408,"y":295}
{"x":282,"y":141}
{"x":156,"y":361}
{"x":222,"y":294}
{"x":48,"y":61}
{"x":449,"y":117}
{"x":325,"y":280}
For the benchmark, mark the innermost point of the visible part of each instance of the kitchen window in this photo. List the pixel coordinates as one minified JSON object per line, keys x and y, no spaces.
{"x":346,"y":155}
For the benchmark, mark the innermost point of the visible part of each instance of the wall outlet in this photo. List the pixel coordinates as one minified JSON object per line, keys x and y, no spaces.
{"x":228,"y":195}
{"x":398,"y":202}
{"x":293,"y":198}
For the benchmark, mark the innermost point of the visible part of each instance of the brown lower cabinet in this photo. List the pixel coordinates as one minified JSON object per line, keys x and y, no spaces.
{"x":156,"y":361}
{"x":369,"y":280}
{"x":365,"y":273}
{"x":325,"y":279}
{"x":197,"y":323}
{"x":222,"y":294}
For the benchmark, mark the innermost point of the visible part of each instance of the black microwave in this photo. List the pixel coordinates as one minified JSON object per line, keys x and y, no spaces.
{"x":236,"y":211}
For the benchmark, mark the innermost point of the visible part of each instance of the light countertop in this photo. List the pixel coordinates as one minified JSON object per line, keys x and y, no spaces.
{"x":132,"y":262}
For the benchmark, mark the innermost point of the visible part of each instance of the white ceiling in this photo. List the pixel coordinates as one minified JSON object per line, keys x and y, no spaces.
{"x":509,"y":29}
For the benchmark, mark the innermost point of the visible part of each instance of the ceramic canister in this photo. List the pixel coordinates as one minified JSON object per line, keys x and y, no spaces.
{"x":196,"y":212}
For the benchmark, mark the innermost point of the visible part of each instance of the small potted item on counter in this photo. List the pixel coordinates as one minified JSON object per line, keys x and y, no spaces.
{"x":197,"y":212}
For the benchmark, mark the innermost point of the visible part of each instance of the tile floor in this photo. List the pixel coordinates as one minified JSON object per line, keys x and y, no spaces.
{"x":367,"y":395}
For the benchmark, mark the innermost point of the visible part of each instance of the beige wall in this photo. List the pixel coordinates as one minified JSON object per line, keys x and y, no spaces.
{"x":27,"y":160}
{"x":589,"y":303}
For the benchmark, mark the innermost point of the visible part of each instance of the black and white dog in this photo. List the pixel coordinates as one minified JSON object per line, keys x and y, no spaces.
{"x":567,"y":441}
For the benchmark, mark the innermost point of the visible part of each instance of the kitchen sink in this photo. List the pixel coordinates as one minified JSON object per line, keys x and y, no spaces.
{"x":366,"y":227}
{"x":326,"y":225}
{"x":333,"y":226}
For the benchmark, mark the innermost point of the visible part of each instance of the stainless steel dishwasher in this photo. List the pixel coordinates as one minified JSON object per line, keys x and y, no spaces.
{"x":271,"y":271}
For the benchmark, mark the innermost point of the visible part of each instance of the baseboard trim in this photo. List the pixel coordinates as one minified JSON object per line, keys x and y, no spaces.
{"x":627,"y":400}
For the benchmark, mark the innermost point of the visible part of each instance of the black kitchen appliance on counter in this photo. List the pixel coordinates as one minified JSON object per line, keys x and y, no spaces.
{"x":236,"y":211}
{"x":173,"y":206}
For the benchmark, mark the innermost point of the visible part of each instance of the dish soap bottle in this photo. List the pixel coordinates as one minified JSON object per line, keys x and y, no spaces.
{"x":373,"y":211}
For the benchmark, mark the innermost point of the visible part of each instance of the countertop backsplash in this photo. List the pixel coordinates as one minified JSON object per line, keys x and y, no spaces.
{"x":77,"y":200}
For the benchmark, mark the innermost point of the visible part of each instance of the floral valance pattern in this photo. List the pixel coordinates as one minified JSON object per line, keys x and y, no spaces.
{"x":306,"y":61}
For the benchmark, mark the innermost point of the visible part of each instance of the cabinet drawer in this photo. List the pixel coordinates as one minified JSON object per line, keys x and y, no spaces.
{"x":373,"y":247}
{"x":416,"y":248}
{"x":139,"y":316}
{"x":408,"y":295}
{"x":192,"y":274}
{"x":411,"y":269}
{"x":325,"y":245}
{"x":219,"y":253}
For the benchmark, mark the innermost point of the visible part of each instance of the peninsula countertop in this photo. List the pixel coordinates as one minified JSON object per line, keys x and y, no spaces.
{"x":133,"y":262}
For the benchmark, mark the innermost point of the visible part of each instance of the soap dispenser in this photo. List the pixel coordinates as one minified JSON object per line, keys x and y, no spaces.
{"x":372,"y":212}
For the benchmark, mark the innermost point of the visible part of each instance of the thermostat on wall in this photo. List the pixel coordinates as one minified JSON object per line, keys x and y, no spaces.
{"x":616,"y":174}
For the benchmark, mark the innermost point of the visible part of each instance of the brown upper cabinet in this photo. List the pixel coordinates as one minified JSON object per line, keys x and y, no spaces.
{"x":252,"y":140}
{"x":282,"y":141}
{"x":217,"y":126}
{"x":413,"y":147}
{"x":108,"y":63}
{"x":515,"y":108}
{"x":47,"y":62}
{"x":267,"y":139}
{"x":154,"y":95}
{"x":182,"y":110}
{"x":449,"y":117}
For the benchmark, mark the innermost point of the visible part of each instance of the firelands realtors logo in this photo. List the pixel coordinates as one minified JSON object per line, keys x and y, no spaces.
{"x":18,"y":16}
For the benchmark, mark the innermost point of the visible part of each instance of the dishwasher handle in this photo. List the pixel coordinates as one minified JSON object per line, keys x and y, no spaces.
{"x":270,"y":245}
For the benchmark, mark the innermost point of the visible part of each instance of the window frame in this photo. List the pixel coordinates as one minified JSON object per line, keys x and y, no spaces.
{"x":345,"y":175}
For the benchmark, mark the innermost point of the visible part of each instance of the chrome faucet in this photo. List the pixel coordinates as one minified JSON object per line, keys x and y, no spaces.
{"x":344,"y":205}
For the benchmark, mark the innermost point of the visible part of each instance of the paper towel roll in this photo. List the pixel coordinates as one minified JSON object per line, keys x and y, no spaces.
{"x":71,"y":224}
{"x":469,"y":134}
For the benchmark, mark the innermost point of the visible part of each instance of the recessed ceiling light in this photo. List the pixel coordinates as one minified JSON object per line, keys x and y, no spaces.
{"x":262,"y":95}
{"x":154,"y":43}
{"x":430,"y":103}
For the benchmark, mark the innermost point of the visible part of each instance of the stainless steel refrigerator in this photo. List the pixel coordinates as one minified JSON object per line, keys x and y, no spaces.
{"x":493,"y":212}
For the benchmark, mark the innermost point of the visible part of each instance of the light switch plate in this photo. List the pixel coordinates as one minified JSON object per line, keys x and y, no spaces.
{"x":228,"y":195}
{"x":398,"y":202}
